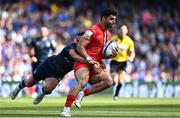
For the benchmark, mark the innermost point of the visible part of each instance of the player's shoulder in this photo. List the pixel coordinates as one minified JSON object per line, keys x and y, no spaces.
{"x":70,"y":46}
{"x":115,"y":37}
{"x":128,"y":38}
{"x":129,"y":41}
{"x":94,"y":28}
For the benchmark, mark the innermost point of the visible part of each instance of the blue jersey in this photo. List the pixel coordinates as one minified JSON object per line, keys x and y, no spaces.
{"x":56,"y":66}
{"x":43,"y":48}
{"x":63,"y":62}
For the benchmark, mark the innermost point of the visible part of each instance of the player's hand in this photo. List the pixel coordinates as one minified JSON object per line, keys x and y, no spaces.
{"x":102,"y":65}
{"x":92,"y":62}
{"x":114,"y":53}
{"x":34,"y":59}
{"x":130,"y":59}
{"x":97,"y":68}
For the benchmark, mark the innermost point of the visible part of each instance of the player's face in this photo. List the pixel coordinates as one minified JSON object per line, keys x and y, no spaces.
{"x":78,"y":38}
{"x":123,"y":31}
{"x":44,"y":31}
{"x":110,"y":21}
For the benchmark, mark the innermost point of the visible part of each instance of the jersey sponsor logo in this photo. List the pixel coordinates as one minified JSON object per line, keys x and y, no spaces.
{"x":122,"y":47}
{"x":88,"y":34}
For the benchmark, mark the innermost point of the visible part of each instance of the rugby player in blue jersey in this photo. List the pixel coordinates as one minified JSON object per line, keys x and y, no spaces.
{"x":52,"y":70}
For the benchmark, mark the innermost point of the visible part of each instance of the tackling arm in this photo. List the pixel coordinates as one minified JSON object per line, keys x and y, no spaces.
{"x":76,"y":56}
{"x":102,"y":65}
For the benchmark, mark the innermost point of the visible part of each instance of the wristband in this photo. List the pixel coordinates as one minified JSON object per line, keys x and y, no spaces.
{"x":88,"y":59}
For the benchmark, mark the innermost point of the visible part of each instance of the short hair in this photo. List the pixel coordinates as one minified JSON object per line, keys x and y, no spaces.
{"x":107,"y":12}
{"x":80,"y":33}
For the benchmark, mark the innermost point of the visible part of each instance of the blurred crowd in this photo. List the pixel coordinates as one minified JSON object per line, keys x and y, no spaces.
{"x":154,"y":26}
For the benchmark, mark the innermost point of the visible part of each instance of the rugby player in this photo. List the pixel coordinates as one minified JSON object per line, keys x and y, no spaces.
{"x":90,"y":47}
{"x":119,"y":63}
{"x":51,"y":70}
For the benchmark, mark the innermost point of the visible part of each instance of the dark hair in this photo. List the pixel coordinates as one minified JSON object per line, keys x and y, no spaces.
{"x":80,"y":33}
{"x":107,"y":12}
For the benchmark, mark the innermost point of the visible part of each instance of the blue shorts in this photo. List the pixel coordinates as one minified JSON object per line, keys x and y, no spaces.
{"x":44,"y":70}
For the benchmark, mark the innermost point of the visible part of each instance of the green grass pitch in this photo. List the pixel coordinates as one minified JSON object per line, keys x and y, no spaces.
{"x":92,"y":107}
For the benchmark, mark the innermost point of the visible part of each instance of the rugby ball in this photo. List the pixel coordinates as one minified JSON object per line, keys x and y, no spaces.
{"x":108,"y":48}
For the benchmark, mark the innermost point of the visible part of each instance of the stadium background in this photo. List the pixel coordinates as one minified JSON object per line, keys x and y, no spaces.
{"x":154,"y":26}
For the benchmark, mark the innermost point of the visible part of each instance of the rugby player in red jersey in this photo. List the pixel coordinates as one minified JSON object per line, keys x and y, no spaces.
{"x":90,"y":47}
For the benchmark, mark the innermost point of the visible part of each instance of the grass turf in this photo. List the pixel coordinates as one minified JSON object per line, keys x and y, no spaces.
{"x":92,"y":107}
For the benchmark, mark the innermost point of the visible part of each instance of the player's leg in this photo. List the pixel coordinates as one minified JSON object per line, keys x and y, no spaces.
{"x":24,"y":83}
{"x":34,"y":65}
{"x":82,"y":77}
{"x":99,"y":83}
{"x":38,"y":74}
{"x":114,"y":69}
{"x":115,"y":77}
{"x":119,"y":83}
{"x":50,"y":77}
{"x":49,"y":85}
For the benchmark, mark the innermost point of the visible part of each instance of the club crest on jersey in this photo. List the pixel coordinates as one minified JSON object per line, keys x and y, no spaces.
{"x":87,"y":34}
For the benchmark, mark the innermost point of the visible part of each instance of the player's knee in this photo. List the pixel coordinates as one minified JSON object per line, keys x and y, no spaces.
{"x":83,"y":77}
{"x":83,"y":83}
{"x":109,"y":81}
{"x":28,"y":84}
{"x":47,"y":90}
{"x":83,"y":80}
{"x":113,"y":74}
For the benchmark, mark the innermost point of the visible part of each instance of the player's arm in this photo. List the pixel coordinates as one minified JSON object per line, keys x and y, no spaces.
{"x":131,"y":53}
{"x":102,"y":65}
{"x":131,"y":56}
{"x":81,"y":47}
{"x":53,"y":45}
{"x":85,"y":40}
{"x":32,"y":51}
{"x":32,"y":55}
{"x":76,"y":56}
